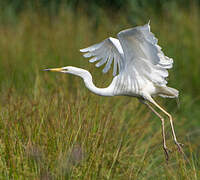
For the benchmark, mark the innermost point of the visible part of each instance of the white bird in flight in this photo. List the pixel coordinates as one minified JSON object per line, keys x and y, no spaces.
{"x":139,"y":70}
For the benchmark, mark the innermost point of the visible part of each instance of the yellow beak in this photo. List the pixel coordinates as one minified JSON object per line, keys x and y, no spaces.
{"x":54,"y":69}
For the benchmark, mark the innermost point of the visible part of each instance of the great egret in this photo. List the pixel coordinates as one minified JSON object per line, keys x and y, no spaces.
{"x":140,"y":68}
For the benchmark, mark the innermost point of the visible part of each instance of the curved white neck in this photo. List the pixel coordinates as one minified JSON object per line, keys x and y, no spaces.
{"x":109,"y":91}
{"x":86,"y":76}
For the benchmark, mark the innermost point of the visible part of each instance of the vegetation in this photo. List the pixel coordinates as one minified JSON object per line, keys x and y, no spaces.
{"x":52,"y":127}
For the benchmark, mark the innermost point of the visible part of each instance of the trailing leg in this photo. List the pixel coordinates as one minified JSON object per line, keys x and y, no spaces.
{"x":166,"y":150}
{"x":179,"y":145}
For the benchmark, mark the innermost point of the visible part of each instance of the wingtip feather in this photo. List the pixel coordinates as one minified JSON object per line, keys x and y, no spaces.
{"x":83,"y":50}
{"x":149,"y":22}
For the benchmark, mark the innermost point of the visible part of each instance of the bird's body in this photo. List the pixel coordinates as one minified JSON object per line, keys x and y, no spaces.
{"x":139,"y":69}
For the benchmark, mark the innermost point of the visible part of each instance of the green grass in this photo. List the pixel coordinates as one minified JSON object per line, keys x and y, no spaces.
{"x":52,"y":127}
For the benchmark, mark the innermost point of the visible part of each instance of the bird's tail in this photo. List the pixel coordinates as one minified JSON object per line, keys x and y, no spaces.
{"x":168,"y":92}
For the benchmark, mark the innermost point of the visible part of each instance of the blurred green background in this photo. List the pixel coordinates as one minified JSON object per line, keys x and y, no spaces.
{"x":52,"y":127}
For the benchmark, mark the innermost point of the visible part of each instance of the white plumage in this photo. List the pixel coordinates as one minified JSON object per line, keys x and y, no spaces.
{"x":139,"y":61}
{"x":139,"y":69}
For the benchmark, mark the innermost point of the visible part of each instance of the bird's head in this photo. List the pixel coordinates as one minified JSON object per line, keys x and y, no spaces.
{"x":71,"y":70}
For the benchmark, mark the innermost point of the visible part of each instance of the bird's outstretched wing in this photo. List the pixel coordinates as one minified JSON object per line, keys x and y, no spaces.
{"x":105,"y":52}
{"x":143,"y":56}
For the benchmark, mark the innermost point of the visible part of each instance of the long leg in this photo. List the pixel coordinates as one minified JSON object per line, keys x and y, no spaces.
{"x":163,"y":127}
{"x":171,"y":123}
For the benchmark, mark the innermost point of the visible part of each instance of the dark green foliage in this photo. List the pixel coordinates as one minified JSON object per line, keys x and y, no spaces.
{"x":53,"y":6}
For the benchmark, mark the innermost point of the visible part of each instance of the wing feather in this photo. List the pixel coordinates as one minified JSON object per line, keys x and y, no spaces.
{"x":143,"y":56}
{"x":115,"y":65}
{"x":94,"y":59}
{"x":105,"y":52}
{"x":108,"y":64}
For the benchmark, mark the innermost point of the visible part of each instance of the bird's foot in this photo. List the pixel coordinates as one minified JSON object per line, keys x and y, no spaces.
{"x":179,"y":145}
{"x":167,"y":151}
